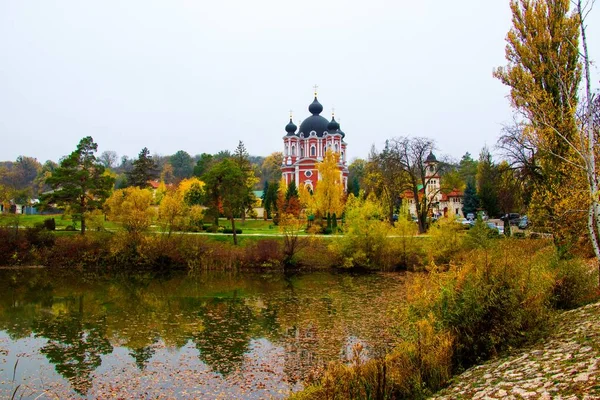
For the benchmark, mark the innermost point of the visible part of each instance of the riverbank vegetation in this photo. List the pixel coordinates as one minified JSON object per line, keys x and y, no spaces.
{"x":495,"y":295}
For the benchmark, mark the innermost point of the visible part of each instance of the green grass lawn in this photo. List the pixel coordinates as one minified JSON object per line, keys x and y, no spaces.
{"x":252,"y":226}
{"x":29,"y":221}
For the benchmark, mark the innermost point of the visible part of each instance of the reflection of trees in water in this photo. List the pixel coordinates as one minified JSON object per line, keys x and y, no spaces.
{"x":74,"y":347}
{"x":226,"y":335}
{"x":311,"y":316}
{"x":141,"y":356}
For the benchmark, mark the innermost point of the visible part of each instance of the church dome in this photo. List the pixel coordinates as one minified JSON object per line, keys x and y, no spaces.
{"x":291,"y":128}
{"x":315,"y":122}
{"x":333,"y":125}
{"x":315,"y":108}
{"x":431,"y":158}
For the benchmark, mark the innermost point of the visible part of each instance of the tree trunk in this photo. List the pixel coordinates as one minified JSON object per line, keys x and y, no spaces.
{"x":233,"y":229}
{"x":82,"y":224}
{"x":594,"y":211}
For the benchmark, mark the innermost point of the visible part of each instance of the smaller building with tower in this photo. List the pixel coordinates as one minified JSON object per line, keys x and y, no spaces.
{"x":442,"y":204}
{"x":304,"y":148}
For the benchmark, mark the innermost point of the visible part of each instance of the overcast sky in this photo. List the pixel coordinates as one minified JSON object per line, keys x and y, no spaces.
{"x":200,"y":75}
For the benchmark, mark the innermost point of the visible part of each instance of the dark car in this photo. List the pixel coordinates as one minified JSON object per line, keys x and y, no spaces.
{"x":512,"y":218}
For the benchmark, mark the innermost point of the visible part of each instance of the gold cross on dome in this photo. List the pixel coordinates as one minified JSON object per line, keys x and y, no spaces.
{"x":290,"y":115}
{"x":315,"y":87}
{"x":332,"y":112}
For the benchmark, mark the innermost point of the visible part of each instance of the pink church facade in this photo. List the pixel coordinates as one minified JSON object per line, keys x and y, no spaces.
{"x":304,"y":148}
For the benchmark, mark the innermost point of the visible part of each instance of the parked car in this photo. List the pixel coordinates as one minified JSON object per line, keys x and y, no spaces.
{"x":466,"y":223}
{"x":524,"y":222}
{"x":494,"y":227}
{"x":471,"y":216}
{"x":512,"y":218}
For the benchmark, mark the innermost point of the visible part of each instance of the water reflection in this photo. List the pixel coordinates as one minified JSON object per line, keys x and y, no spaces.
{"x":247,"y":335}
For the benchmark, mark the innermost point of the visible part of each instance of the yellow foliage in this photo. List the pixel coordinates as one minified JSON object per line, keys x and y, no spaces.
{"x":329,"y":193}
{"x":186,"y":184}
{"x":172,"y":211}
{"x":132,"y":208}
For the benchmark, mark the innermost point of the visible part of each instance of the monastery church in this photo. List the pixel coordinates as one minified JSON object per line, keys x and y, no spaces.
{"x":305,"y":147}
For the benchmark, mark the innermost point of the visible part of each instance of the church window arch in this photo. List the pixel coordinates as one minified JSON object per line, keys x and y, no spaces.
{"x":313,"y":151}
{"x":286,"y":149}
{"x":302,"y":151}
{"x":293,"y":149}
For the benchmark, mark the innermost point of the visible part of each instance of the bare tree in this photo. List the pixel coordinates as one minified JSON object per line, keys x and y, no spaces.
{"x":109,"y":159}
{"x":415,"y":155}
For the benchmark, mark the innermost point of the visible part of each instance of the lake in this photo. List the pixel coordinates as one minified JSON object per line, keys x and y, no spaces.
{"x":206,"y":335}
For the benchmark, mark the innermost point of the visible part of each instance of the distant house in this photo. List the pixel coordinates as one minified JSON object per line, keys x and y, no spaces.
{"x":16,"y":207}
{"x":154,"y":184}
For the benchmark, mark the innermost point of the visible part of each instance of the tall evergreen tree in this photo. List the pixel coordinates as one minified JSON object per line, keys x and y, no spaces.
{"x":183,"y":165}
{"x":79,"y":182}
{"x":487,"y":183}
{"x":242,"y":159}
{"x":144,"y":170}
{"x":470,"y":200}
{"x":270,"y":198}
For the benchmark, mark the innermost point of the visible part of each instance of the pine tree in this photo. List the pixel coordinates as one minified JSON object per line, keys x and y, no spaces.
{"x":80,"y":182}
{"x":471,"y":200}
{"x":144,"y":170}
{"x":487,"y":183}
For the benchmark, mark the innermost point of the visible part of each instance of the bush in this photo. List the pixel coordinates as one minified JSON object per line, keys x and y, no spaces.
{"x":263,"y":253}
{"x":39,"y":237}
{"x":50,"y":224}
{"x":574,"y":284}
{"x":70,"y":228}
{"x":498,"y":298}
{"x":229,"y":230}
{"x":77,"y":251}
{"x":212,"y":228}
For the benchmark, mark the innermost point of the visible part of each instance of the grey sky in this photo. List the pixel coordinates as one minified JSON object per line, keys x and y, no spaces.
{"x":201,"y":75}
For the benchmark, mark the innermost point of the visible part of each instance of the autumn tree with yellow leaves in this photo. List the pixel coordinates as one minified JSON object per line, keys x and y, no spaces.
{"x":329,"y":193}
{"x":543,"y":73}
{"x":132,"y":207}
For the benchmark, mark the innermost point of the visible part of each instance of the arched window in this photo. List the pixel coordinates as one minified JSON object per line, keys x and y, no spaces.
{"x":293,"y":149}
{"x":286,"y":149}
{"x":313,"y":151}
{"x":336,"y":147}
{"x":301,"y":151}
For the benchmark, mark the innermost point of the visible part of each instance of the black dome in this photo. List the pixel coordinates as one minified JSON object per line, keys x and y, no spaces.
{"x":291,"y":128}
{"x":333,"y":125}
{"x":431,"y":158}
{"x":315,"y":108}
{"x":313,"y":123}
